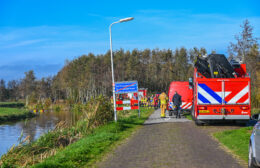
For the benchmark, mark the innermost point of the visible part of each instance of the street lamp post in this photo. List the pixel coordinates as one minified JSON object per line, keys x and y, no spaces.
{"x":112,"y":64}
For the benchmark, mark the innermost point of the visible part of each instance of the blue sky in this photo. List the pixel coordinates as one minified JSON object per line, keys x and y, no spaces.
{"x":41,"y":35}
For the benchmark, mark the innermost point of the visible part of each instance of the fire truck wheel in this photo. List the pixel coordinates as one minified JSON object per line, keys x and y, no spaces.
{"x":192,"y":113}
{"x":170,"y":113}
{"x":198,"y":122}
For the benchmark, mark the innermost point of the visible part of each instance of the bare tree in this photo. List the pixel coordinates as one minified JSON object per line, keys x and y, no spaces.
{"x":244,"y":42}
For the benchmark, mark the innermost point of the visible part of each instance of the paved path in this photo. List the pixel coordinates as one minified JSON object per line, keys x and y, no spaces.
{"x":169,"y":143}
{"x":156,"y":119}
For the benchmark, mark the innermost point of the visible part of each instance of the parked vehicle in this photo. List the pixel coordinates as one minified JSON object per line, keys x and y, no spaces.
{"x":184,"y":91}
{"x":142,"y":92}
{"x":221,"y":92}
{"x":254,"y":144}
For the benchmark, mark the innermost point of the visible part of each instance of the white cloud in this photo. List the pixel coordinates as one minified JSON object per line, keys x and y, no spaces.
{"x":23,"y":43}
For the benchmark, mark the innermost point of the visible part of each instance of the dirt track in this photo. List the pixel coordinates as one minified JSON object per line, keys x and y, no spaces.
{"x":170,"y":143}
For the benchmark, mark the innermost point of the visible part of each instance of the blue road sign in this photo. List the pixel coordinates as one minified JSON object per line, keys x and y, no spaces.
{"x":126,"y":87}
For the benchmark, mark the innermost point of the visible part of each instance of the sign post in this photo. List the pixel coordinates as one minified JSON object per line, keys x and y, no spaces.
{"x":138,"y":104}
{"x":128,"y":87}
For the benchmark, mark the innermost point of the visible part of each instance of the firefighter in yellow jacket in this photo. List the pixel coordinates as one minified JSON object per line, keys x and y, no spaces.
{"x":163,"y":99}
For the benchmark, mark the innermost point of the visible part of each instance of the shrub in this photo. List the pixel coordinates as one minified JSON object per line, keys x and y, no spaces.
{"x":47,"y":103}
{"x":98,"y":111}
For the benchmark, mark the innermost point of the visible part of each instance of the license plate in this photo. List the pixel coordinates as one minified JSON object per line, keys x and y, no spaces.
{"x":203,"y":111}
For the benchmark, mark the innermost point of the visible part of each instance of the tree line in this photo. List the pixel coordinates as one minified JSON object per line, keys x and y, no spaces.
{"x":90,"y":75}
{"x":27,"y":88}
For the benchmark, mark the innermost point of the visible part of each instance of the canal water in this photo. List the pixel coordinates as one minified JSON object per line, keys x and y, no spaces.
{"x":33,"y":127}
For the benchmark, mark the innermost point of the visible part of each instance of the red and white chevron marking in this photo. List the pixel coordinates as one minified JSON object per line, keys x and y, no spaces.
{"x":123,"y":102}
{"x":131,"y":102}
{"x":241,"y":97}
{"x":186,"y":105}
{"x":127,"y":108}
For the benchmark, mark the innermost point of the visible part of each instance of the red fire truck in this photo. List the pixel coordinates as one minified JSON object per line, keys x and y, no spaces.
{"x":221,"y":98}
{"x":184,"y":91}
{"x":142,"y":92}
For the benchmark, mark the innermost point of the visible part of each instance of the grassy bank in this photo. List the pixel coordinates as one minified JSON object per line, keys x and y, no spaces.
{"x":11,"y":104}
{"x":236,"y":141}
{"x":10,"y":114}
{"x":87,"y":151}
{"x":79,"y":145}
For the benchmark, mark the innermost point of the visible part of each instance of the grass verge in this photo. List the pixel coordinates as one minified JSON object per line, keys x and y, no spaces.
{"x":11,"y":104}
{"x":10,"y":114}
{"x":187,"y":115}
{"x":236,"y":141}
{"x":88,"y":150}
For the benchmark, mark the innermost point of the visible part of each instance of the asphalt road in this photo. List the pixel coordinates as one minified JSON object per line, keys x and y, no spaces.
{"x":169,"y":143}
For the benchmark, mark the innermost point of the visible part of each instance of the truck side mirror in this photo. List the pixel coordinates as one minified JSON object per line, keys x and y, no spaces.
{"x":255,"y":117}
{"x":190,"y":83}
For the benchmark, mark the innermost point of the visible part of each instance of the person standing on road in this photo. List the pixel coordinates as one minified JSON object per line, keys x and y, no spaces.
{"x":159,"y":102}
{"x":142,"y":101}
{"x":151,"y":101}
{"x":163,"y":99}
{"x":148,"y":101}
{"x":176,"y":99}
{"x":155,"y":100}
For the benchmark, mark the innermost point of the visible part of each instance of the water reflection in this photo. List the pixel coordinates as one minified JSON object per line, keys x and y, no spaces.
{"x":34,"y":127}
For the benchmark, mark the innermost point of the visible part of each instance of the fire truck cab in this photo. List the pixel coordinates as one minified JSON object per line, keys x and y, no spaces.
{"x":184,"y":91}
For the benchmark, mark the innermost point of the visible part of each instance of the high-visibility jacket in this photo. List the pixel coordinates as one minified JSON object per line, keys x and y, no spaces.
{"x":143,"y":100}
{"x":163,"y":98}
